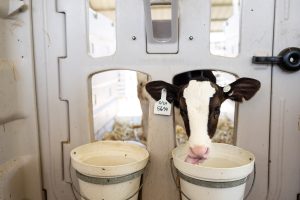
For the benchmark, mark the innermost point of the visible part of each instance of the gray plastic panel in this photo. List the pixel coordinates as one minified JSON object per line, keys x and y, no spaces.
{"x":285,"y":120}
{"x":67,"y":124}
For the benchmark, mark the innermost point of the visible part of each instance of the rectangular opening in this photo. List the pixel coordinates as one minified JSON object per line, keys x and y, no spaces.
{"x":225,"y":27}
{"x":161,"y":11}
{"x":161,"y":15}
{"x":101,"y":28}
{"x":120,"y":105}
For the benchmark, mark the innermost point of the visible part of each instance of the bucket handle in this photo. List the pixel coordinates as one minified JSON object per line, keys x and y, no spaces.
{"x":176,"y":178}
{"x":179,"y":174}
{"x":75,"y":190}
{"x":85,"y":198}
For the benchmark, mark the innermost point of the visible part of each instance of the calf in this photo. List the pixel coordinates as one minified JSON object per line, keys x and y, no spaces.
{"x":199,"y":99}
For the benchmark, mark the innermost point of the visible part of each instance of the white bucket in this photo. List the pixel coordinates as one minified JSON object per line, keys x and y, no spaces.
{"x":222,"y":176}
{"x":109,"y":169}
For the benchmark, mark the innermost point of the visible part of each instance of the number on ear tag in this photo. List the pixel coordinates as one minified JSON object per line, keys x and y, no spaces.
{"x":162,"y":107}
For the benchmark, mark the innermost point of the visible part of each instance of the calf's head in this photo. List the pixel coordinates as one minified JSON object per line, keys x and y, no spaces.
{"x":199,"y":101}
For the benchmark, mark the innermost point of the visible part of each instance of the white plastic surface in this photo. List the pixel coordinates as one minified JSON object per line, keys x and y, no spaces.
{"x":109,"y":159}
{"x":20,"y":173}
{"x":66,"y":124}
{"x":225,"y":163}
{"x":284,"y":171}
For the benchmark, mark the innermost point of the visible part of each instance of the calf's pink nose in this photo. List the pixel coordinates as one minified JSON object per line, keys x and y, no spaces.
{"x":197,"y":154}
{"x":199,"y":150}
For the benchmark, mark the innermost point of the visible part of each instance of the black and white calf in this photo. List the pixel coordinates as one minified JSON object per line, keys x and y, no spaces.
{"x":199,"y":99}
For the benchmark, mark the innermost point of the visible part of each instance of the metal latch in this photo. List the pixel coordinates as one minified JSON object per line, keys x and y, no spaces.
{"x":288,"y":59}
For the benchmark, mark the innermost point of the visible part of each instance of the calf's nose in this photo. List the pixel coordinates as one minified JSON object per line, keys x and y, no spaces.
{"x":199,"y":150}
{"x":197,"y":154}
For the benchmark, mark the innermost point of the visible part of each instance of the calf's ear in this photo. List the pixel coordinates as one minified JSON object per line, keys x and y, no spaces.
{"x":154,"y":88}
{"x":241,"y":88}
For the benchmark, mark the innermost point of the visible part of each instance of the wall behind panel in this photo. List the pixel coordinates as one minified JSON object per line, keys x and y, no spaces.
{"x":19,"y":145}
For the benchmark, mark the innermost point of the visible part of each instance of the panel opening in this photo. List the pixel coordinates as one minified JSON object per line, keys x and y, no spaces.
{"x":225,"y":27}
{"x":225,"y":132}
{"x":120,"y":106}
{"x":161,"y":11}
{"x":101,"y":28}
{"x":161,"y":16}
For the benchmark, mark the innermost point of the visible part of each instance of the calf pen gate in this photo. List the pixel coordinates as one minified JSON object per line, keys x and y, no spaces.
{"x":47,"y":44}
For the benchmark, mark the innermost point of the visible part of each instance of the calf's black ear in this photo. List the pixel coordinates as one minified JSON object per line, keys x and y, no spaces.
{"x":154,"y":89}
{"x":242,"y":88}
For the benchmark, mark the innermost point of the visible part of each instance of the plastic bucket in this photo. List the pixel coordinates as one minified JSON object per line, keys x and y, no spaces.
{"x":109,"y":170}
{"x":222,"y":176}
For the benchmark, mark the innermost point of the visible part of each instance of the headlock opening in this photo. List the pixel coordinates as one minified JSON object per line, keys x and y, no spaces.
{"x":199,"y":99}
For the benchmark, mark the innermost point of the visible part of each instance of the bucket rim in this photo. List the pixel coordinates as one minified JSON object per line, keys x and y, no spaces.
{"x":252,"y":157}
{"x":209,"y":173}
{"x":108,"y":167}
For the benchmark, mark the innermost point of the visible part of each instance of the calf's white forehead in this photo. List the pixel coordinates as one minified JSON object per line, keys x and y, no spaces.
{"x":198,"y":93}
{"x":197,"y":96}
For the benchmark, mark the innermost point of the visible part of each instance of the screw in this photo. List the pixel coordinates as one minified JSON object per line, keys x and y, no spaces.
{"x":133,"y":38}
{"x":191,"y":38}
